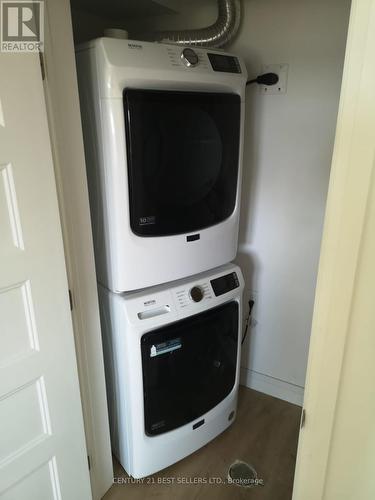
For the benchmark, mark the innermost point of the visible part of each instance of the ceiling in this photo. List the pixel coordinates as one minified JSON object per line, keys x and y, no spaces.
{"x":134,"y":8}
{"x":122,"y":8}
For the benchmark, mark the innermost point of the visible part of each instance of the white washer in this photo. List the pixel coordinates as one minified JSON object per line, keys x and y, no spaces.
{"x":172,"y":356}
{"x":163,"y":129}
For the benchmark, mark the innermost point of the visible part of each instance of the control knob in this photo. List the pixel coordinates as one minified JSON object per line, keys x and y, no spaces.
{"x":189,"y":57}
{"x":196,"y":294}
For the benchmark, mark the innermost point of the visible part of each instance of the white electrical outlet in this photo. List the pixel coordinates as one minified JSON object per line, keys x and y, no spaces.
{"x":280,"y":87}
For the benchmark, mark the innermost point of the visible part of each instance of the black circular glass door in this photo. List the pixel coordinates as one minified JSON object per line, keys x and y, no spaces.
{"x":189,"y":367}
{"x":182,"y":153}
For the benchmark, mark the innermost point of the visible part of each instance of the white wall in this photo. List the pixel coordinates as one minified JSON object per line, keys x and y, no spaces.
{"x":288,"y":148}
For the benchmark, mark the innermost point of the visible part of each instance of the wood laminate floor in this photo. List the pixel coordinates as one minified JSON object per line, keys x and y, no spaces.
{"x":265,"y":435}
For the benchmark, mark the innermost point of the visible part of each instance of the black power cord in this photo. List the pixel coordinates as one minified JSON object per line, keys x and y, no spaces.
{"x":251,"y":305}
{"x":265,"y":79}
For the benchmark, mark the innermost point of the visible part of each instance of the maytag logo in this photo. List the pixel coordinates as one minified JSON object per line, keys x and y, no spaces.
{"x":149,"y":302}
{"x":135,"y":46}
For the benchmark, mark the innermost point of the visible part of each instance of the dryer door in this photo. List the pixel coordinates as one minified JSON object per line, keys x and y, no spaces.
{"x":189,"y":367}
{"x":182,"y":154}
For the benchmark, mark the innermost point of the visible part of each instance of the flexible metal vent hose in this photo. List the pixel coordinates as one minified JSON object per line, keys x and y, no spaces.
{"x":216,"y":35}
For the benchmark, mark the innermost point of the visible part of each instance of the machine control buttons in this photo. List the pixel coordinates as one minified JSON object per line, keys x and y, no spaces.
{"x":189,"y":57}
{"x":196,"y":294}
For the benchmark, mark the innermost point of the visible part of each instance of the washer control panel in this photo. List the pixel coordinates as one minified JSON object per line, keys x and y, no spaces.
{"x":194,"y":294}
{"x":225,"y":284}
{"x":165,"y":303}
{"x":203,"y":291}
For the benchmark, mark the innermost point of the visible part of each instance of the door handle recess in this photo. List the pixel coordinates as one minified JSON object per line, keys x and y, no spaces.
{"x":152,"y":313}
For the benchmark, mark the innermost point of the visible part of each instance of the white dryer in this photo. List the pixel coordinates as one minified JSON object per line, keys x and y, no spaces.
{"x":172,"y":357}
{"x":163,"y":129}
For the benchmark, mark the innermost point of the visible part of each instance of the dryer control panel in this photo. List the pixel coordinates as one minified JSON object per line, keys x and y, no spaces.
{"x":121,"y":64}
{"x":191,"y":58}
{"x":224,"y":63}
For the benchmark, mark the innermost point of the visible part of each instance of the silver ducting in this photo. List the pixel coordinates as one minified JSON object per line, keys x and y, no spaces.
{"x":216,"y":35}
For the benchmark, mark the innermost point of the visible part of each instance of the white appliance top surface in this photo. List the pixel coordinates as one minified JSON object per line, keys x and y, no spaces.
{"x":159,"y":61}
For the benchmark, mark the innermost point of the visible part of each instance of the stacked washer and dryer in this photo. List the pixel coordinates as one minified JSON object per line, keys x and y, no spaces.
{"x":163,"y":130}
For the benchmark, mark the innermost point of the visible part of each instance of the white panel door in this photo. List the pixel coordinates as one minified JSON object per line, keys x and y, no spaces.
{"x":42,"y":445}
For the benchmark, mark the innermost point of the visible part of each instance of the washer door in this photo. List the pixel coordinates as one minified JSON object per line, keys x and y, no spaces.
{"x":182,"y":154}
{"x":189,"y":367}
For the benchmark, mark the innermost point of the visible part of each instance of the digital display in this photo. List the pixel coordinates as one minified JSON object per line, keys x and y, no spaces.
{"x":225,"y":284}
{"x":226,"y":64}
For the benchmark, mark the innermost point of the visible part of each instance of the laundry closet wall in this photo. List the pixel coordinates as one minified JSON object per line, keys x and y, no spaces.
{"x":288,"y":147}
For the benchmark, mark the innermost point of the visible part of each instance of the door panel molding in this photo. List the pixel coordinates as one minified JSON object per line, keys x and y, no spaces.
{"x":42,"y":445}
{"x":67,"y":145}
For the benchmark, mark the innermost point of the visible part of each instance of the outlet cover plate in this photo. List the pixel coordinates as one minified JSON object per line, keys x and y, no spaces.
{"x":282,"y":71}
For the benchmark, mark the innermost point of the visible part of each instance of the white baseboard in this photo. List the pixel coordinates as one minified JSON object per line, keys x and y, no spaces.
{"x":272,"y":386}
